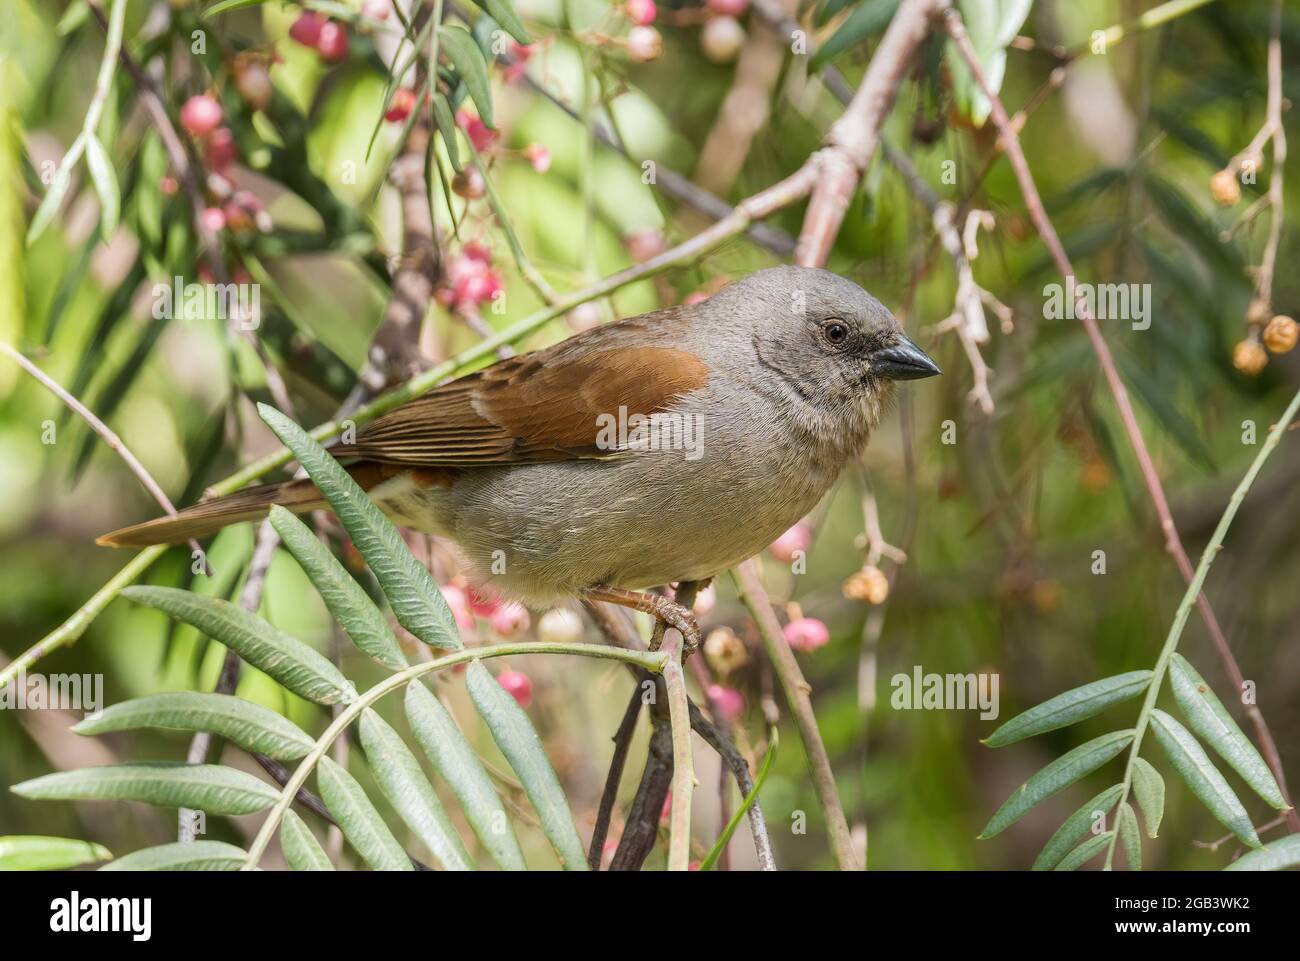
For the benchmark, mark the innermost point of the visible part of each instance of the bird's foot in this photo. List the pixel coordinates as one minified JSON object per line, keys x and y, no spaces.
{"x":669,"y":613}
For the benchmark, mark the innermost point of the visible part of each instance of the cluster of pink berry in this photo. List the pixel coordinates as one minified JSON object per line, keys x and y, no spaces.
{"x":470,"y":279}
{"x":721,"y":39}
{"x":326,"y":37}
{"x":238,"y":210}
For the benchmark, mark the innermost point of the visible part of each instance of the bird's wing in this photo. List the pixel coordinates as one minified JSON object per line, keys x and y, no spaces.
{"x":544,"y":406}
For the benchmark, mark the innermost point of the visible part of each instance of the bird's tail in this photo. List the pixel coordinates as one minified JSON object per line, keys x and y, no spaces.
{"x":254,"y":503}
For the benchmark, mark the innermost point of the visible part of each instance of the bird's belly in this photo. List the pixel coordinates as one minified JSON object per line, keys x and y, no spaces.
{"x":543,"y":531}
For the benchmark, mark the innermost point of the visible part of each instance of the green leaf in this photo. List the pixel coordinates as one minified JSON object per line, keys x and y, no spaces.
{"x":300,"y":848}
{"x":455,"y":761}
{"x":1275,"y":856}
{"x":867,"y":19}
{"x":227,"y":5}
{"x":503,"y":12}
{"x":1085,"y":852}
{"x":992,"y":25}
{"x":1149,"y":789}
{"x":1070,"y":707}
{"x":204,"y":787}
{"x":345,"y":598}
{"x":1130,"y":836}
{"x":1061,"y":773}
{"x":447,"y":127}
{"x":357,"y":817}
{"x":402,"y":780}
{"x":28,"y":852}
{"x":251,"y":726}
{"x":1192,"y":764}
{"x":470,"y":66}
{"x":300,"y":668}
{"x":49,"y":205}
{"x":518,"y":741}
{"x":183,"y":856}
{"x":105,"y":181}
{"x":724,"y":838}
{"x":1208,"y":717}
{"x":1075,"y":827}
{"x":412,"y":593}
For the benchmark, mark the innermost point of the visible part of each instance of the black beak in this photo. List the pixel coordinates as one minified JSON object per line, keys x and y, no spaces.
{"x":903,"y":361}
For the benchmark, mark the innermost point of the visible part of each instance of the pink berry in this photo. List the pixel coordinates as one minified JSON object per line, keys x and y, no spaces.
{"x":169,"y":185}
{"x":221,"y":150}
{"x":484,"y":605}
{"x":584,"y":317}
{"x":306,"y":29}
{"x":645,"y":244}
{"x":480,"y":134}
{"x":458,"y":601}
{"x":644,"y":44}
{"x":519,"y":54}
{"x":518,"y":685}
{"x":728,"y":8}
{"x":806,"y":634}
{"x":469,"y":184}
{"x":376,"y":9}
{"x":509,"y":620}
{"x":214,"y":219}
{"x":201,"y":115}
{"x":402,"y":104}
{"x":477,"y":252}
{"x":538,"y":156}
{"x":254,"y":83}
{"x":641,"y":12}
{"x":727,"y":701}
{"x":795,"y":539}
{"x":332,"y":44}
{"x":696,"y":297}
{"x":722,"y":38}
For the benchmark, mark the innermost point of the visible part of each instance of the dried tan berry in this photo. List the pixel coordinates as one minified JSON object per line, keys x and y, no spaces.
{"x":1224,"y":188}
{"x":724,"y":651}
{"x":1280,"y":334}
{"x":1249,"y":357}
{"x":869,"y":585}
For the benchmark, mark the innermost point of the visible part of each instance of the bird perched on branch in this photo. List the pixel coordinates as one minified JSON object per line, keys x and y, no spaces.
{"x":665,"y":447}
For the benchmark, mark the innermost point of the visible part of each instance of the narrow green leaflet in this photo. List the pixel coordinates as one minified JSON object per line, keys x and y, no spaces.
{"x":1072,"y":706}
{"x":1149,"y":789}
{"x":360,"y":822}
{"x":49,"y":205}
{"x":1061,"y":773}
{"x":101,"y":174}
{"x":1130,"y":836}
{"x":251,"y":726}
{"x":1075,"y":827}
{"x":867,"y":19}
{"x":518,"y":741}
{"x":1085,"y":852}
{"x":412,"y":593}
{"x":992,"y":25}
{"x":1190,"y":761}
{"x":29,"y":852}
{"x":1275,"y":856}
{"x":1207,"y":716}
{"x":204,"y":787}
{"x":345,"y":598}
{"x":402,"y":780}
{"x":455,"y":761}
{"x":447,"y":127}
{"x":182,"y":856}
{"x":503,"y":12}
{"x":300,"y":668}
{"x":300,"y":848}
{"x":470,"y":66}
{"x":227,"y":5}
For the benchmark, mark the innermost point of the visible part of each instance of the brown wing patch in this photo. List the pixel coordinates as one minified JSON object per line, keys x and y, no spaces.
{"x":536,"y":407}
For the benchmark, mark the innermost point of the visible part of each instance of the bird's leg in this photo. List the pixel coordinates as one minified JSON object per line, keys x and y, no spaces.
{"x":670,"y":613}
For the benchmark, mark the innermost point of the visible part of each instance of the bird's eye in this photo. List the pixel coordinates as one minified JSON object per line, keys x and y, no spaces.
{"x":836,"y":332}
